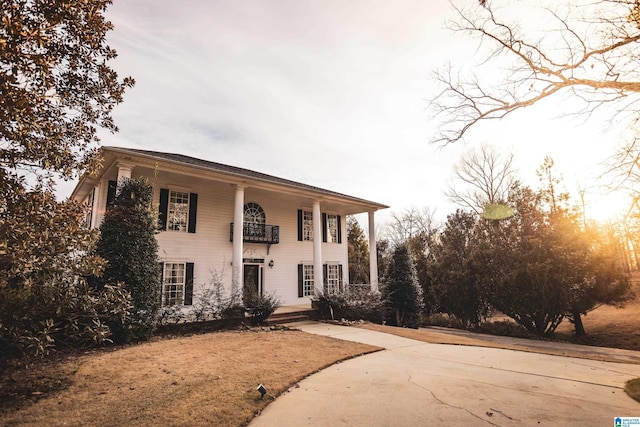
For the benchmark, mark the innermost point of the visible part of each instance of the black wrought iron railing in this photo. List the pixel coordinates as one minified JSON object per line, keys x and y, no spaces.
{"x":258,"y":233}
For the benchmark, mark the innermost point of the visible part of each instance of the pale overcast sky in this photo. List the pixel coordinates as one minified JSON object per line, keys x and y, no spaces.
{"x":331,"y":93}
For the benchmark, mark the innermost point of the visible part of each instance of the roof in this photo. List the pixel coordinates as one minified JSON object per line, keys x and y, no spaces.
{"x":180,"y":159}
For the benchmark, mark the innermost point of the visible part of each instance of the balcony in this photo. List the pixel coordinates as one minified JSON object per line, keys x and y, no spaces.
{"x":258,"y":233}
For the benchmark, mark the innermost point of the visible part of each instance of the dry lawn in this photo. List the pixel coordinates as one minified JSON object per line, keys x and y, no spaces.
{"x":202,"y":380}
{"x":609,"y":327}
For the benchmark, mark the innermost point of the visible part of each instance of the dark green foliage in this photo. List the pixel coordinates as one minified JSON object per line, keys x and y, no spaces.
{"x":44,"y":300}
{"x":401,"y":292}
{"x":457,"y":285}
{"x":544,"y":267}
{"x":127,"y":241}
{"x":355,"y":304}
{"x":358,"y":252}
{"x":260,"y":307}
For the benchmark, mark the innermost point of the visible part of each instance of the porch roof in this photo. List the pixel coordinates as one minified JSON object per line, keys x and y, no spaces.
{"x":230,"y":174}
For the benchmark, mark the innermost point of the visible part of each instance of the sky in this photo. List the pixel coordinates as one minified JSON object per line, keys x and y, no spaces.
{"x":330,"y":93}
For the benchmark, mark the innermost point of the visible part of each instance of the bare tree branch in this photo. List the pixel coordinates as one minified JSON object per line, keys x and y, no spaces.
{"x":591,"y":54}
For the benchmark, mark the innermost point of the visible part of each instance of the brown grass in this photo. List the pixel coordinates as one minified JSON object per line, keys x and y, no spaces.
{"x":199,"y":380}
{"x":609,"y":327}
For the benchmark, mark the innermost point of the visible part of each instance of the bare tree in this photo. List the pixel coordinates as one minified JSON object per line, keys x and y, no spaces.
{"x":410,"y":223}
{"x":588,"y":53}
{"x":482,"y":176}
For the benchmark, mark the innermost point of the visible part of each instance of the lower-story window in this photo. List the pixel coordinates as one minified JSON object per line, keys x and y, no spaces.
{"x":308,"y":280}
{"x":332,"y":280}
{"x":305,"y":280}
{"x":173,"y":283}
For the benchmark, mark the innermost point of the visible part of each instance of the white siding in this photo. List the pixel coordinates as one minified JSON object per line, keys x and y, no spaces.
{"x":210,"y":248}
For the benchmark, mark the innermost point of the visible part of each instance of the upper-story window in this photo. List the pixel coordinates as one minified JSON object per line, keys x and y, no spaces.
{"x":177,"y":210}
{"x":254,"y":220}
{"x":254,"y":214}
{"x":178,"y":215}
{"x":307,"y":225}
{"x":332,"y":228}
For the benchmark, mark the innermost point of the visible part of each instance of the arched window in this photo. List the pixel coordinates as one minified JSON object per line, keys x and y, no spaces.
{"x":254,"y":220}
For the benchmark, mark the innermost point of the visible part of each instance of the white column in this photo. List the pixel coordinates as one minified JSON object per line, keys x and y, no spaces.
{"x":317,"y":247}
{"x":238,"y":218}
{"x":94,"y":208}
{"x":373,"y":254}
{"x":124,"y":171}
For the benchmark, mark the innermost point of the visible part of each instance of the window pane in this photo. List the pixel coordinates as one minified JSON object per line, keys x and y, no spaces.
{"x":333,"y":278}
{"x":332,"y":228}
{"x":178,"y":210}
{"x":307,"y":280}
{"x":307,"y":226}
{"x":173,"y":284}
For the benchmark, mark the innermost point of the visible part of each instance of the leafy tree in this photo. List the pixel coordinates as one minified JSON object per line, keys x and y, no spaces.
{"x":587,"y":51}
{"x":457,"y":284}
{"x":45,"y":302}
{"x":401,"y":292}
{"x":128,"y":244}
{"x":55,"y":85}
{"x":528,"y":265}
{"x":358,"y":252}
{"x":56,"y":90}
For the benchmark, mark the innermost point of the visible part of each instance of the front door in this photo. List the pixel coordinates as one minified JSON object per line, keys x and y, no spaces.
{"x":252,"y":280}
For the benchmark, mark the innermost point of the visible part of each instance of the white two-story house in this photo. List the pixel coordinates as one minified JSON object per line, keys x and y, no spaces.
{"x":266,"y":234}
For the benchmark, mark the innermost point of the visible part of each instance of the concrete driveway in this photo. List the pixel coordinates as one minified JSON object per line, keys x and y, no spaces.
{"x":412,"y":383}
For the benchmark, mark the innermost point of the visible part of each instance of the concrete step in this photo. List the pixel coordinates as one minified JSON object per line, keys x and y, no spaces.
{"x":296,"y":316}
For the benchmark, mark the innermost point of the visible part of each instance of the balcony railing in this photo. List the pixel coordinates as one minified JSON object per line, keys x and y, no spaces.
{"x":258,"y":233}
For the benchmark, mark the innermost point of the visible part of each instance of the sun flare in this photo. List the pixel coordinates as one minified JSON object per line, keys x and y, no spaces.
{"x":608,"y":207}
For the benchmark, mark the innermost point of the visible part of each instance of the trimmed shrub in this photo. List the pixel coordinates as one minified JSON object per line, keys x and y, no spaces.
{"x":355,"y":304}
{"x":260,"y":307}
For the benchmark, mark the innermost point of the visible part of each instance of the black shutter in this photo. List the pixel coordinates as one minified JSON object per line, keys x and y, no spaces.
{"x":300,"y":225}
{"x":164,"y":209}
{"x":161,"y":280}
{"x":324,"y":227}
{"x":193,"y":207}
{"x":325,"y":280}
{"x":188,"y":285}
{"x":341,"y":283}
{"x":300,"y":281}
{"x":339,"y":229}
{"x":111,"y":193}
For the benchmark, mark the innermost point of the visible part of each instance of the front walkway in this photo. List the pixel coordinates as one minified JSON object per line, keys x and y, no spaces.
{"x":413,"y":383}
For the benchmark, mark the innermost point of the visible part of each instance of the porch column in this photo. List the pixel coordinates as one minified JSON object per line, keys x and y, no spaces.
{"x":373,"y":253}
{"x":124,"y":171}
{"x":238,"y":218}
{"x":317,"y":248}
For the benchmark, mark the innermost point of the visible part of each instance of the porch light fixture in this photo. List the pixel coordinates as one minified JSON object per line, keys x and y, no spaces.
{"x":271,"y":264}
{"x":262,"y":389}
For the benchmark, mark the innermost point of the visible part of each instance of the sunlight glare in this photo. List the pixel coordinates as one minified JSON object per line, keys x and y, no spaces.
{"x":606,"y":208}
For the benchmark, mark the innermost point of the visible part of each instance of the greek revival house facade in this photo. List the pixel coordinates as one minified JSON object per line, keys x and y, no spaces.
{"x":261,"y":233}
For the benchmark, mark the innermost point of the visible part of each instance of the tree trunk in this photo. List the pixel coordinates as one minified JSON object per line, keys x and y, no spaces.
{"x":399,"y":316}
{"x":577,"y":323}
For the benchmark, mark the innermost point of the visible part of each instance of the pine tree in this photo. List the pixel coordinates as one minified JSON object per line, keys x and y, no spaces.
{"x":401,"y":292}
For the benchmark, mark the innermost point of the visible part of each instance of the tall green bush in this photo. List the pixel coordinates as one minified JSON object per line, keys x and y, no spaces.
{"x":127,"y":241}
{"x":401,"y":291}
